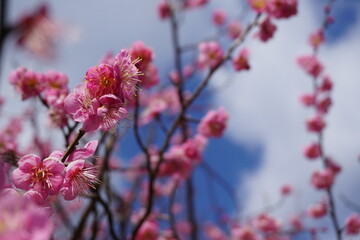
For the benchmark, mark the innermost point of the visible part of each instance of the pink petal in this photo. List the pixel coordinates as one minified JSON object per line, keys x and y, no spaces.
{"x":21,"y":180}
{"x":28,"y":162}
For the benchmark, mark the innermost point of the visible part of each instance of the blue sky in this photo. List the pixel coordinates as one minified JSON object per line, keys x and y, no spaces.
{"x":249,"y":154}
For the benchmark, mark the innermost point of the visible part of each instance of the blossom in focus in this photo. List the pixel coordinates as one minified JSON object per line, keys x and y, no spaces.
{"x":44,"y":176}
{"x":213,"y":123}
{"x":79,"y":176}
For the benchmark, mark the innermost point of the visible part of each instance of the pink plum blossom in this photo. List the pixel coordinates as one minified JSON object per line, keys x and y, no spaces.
{"x":101,"y":80}
{"x":322,"y":179}
{"x":163,"y":9}
{"x":311,"y":65}
{"x":267,"y":30}
{"x":26,"y":82}
{"x":243,"y":233}
{"x":219,"y":17}
{"x":210,"y":54}
{"x":308,"y":99}
{"x":312,"y":151}
{"x":44,"y":176}
{"x":315,"y":124}
{"x":213,"y":123}
{"x":286,"y":189}
{"x":318,"y":210}
{"x":323,"y":105}
{"x":266,"y":223}
{"x":281,"y":8}
{"x":21,"y":218}
{"x":79,"y":176}
{"x":240,"y":62}
{"x":317,"y":38}
{"x":142,"y":52}
{"x":352,"y":224}
{"x":148,"y":231}
{"x":234,"y":29}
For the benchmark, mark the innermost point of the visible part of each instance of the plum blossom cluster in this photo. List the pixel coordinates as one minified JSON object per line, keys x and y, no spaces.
{"x":320,"y":101}
{"x":101,"y":101}
{"x":51,"y":176}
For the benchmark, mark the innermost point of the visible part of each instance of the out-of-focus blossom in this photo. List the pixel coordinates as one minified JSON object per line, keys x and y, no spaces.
{"x":163,"y":9}
{"x":219,"y":17}
{"x":267,"y":30}
{"x":323,"y":179}
{"x":213,"y":123}
{"x":281,"y":8}
{"x":26,"y":82}
{"x":312,"y":151}
{"x":21,"y":218}
{"x":210,"y":54}
{"x":317,"y":38}
{"x":241,"y":62}
{"x":234,"y":29}
{"x":352,"y":224}
{"x":311,"y":65}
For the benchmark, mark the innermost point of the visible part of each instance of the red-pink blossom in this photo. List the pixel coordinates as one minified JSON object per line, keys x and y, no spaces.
{"x":308,"y":99}
{"x":322,"y":179}
{"x":281,"y":8}
{"x":312,"y":151}
{"x":79,"y":176}
{"x":258,"y":5}
{"x":311,"y":65}
{"x":149,"y":230}
{"x":140,"y":51}
{"x":352,"y":224}
{"x":150,"y":76}
{"x":21,"y":218}
{"x":44,"y":176}
{"x":332,"y":165}
{"x":210,"y":54}
{"x":267,"y":30}
{"x":286,"y":189}
{"x":243,"y":233}
{"x":241,"y":62}
{"x":318,"y":210}
{"x":213,"y":232}
{"x":266,"y":223}
{"x":26,"y":82}
{"x":163,"y":9}
{"x":234,"y":29}
{"x":101,"y":80}
{"x":194,"y":3}
{"x":316,"y":123}
{"x":326,"y":85}
{"x":213,"y":123}
{"x":219,"y":17}
{"x":317,"y":38}
{"x":323,"y":105}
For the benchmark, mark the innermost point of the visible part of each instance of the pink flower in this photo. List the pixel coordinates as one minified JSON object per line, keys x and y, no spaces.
{"x":210,"y":54}
{"x":21,"y":218}
{"x":79,"y":176}
{"x":148,"y":231}
{"x":26,"y":82}
{"x":44,"y":176}
{"x":193,"y":148}
{"x":315,"y":124}
{"x":266,"y":223}
{"x":326,"y":84}
{"x":163,"y":9}
{"x":150,"y":77}
{"x":212,"y":232}
{"x":352,"y":224}
{"x":317,"y":38}
{"x":286,"y":189}
{"x":80,"y":153}
{"x":55,"y":83}
{"x":240,"y":62}
{"x":219,"y":17}
{"x":194,"y":3}
{"x":234,"y":29}
{"x":323,"y":105}
{"x":37,"y":32}
{"x":267,"y":30}
{"x":296,"y":223}
{"x":311,"y":65}
{"x":281,"y":8}
{"x":312,"y":151}
{"x":213,"y":123}
{"x":332,"y":165}
{"x":308,"y":99}
{"x":108,"y":114}
{"x":323,"y":179}
{"x":128,"y":74}
{"x":101,"y":80}
{"x":243,"y":233}
{"x":318,"y":210}
{"x":140,"y":51}
{"x":258,"y":5}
